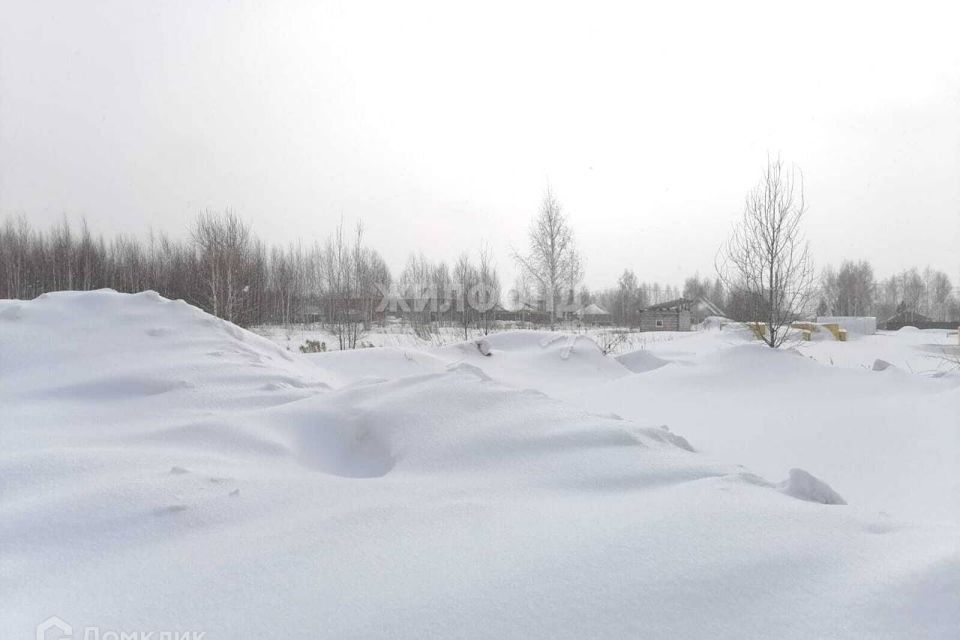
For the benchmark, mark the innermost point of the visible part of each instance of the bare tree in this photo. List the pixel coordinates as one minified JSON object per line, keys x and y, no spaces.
{"x":626,"y":300}
{"x":347,"y":284}
{"x":417,"y":279}
{"x":767,"y":258}
{"x":522,"y":294}
{"x":552,"y":260}
{"x":378,"y":280}
{"x":442,"y":285}
{"x":487,"y":294}
{"x":940,"y":290}
{"x":850,"y":291}
{"x":223,"y":242}
{"x":465,"y":278}
{"x":287,"y":282}
{"x":912,"y":290}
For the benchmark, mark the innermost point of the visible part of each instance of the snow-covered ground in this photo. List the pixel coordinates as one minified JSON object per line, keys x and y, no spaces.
{"x":398,"y":334}
{"x":163,"y":470}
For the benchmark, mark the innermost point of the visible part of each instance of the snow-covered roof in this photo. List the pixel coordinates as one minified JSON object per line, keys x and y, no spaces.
{"x":593,"y":310}
{"x":670,"y":305}
{"x":524,"y":305}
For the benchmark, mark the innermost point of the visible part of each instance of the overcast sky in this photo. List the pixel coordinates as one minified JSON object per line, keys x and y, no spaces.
{"x":440,"y":124}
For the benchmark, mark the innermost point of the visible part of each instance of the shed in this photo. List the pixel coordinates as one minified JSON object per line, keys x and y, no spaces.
{"x":673,"y":315}
{"x":522,"y":311}
{"x":904,"y":318}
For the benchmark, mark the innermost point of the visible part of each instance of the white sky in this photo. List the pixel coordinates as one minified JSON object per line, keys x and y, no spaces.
{"x":440,"y":124}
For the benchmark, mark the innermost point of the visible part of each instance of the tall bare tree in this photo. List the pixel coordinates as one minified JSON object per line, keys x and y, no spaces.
{"x":940,"y":290}
{"x":223,"y":242}
{"x":767,"y":258}
{"x":442,"y":285}
{"x":849,"y":291}
{"x":465,"y":279}
{"x":417,"y":280}
{"x":552,"y":259}
{"x":487,"y":294}
{"x":626,"y":300}
{"x":348,"y":286}
{"x":521,"y":295}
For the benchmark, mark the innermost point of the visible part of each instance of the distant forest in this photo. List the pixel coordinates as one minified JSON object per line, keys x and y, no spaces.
{"x":225,"y":269}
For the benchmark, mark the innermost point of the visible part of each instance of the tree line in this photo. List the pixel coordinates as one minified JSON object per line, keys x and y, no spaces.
{"x":225,"y":269}
{"x":764,"y":274}
{"x":852,"y":290}
{"x":221,"y":267}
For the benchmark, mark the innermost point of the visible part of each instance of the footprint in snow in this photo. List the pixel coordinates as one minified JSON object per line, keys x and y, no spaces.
{"x":177,"y":471}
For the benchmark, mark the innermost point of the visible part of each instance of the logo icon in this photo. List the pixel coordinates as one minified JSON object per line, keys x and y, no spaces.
{"x":53,"y":628}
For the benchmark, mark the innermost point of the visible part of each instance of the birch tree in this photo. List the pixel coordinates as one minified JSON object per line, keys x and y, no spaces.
{"x":223,"y":242}
{"x":465,"y":278}
{"x":552,"y":259}
{"x":767,"y":258}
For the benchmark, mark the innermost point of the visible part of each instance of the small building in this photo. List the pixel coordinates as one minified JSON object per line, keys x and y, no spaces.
{"x":594,"y":314}
{"x":673,"y":315}
{"x":904,"y":318}
{"x":522,"y":311}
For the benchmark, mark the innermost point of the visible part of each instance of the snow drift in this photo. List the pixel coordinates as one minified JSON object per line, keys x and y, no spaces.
{"x":162,"y":469}
{"x":641,"y":361}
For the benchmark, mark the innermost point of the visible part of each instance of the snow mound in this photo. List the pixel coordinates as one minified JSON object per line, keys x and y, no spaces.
{"x":756,"y":356}
{"x":641,"y":361}
{"x":483,"y":346}
{"x":456,"y":423}
{"x":374,"y":364}
{"x":880,"y":365}
{"x":150,"y":451}
{"x":560,"y":363}
{"x":804,"y":486}
{"x":107,"y":346}
{"x":469,"y":369}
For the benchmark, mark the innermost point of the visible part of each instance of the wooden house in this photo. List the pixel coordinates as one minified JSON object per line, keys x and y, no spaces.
{"x":673,"y":315}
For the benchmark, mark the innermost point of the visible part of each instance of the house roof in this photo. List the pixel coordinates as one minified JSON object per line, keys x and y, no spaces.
{"x":593,"y":310}
{"x":670,"y":305}
{"x":908,"y":316}
{"x":517,"y":306}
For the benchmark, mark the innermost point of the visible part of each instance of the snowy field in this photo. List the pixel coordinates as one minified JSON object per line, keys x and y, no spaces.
{"x":396,"y":334}
{"x":162,"y":470}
